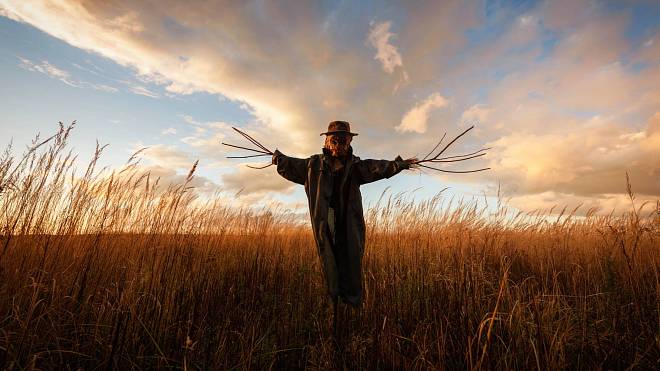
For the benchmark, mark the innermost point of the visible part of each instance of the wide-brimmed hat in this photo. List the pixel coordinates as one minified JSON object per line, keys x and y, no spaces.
{"x":339,"y":127}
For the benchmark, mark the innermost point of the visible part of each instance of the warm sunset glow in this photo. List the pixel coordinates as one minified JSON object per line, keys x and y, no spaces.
{"x":566,"y":92}
{"x":262,"y":184}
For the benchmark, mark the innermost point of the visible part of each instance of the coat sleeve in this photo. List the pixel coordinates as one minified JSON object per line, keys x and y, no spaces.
{"x":291,"y":168}
{"x":373,"y":170}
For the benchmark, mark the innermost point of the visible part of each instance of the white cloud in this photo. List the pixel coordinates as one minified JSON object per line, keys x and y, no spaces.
{"x":64,"y":76}
{"x":526,"y":20}
{"x":257,"y":198}
{"x":171,"y":177}
{"x":141,"y":90}
{"x":208,"y":124}
{"x":47,"y":69}
{"x":249,"y":181}
{"x":478,"y":113}
{"x":207,"y":137}
{"x":181,"y":88}
{"x":165,"y":156}
{"x":101,"y":87}
{"x":388,"y":55}
{"x":588,"y":161}
{"x":190,"y":120}
{"x":169,"y":131}
{"x":5,"y":13}
{"x":52,"y":71}
{"x":416,"y":119}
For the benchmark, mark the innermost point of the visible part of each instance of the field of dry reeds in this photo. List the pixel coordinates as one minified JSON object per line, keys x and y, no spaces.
{"x":112,"y":270}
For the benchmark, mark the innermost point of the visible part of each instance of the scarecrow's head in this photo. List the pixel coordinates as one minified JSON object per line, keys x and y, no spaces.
{"x":338,"y":138}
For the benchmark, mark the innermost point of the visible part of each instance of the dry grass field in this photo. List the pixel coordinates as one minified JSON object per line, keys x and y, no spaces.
{"x":114,"y":271}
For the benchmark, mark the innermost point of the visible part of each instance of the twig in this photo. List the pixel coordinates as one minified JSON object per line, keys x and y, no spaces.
{"x":465,"y":155}
{"x":262,"y":150}
{"x":458,"y":159}
{"x":436,"y":146}
{"x":454,"y":171}
{"x":259,"y":167}
{"x":254,"y":141}
{"x":452,"y":142}
{"x":245,"y":148}
{"x":264,"y":154}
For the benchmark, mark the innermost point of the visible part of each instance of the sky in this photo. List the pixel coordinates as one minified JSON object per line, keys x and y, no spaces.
{"x":565,"y":93}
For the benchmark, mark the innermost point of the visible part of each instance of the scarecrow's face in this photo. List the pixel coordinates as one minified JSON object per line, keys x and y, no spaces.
{"x":338,"y":144}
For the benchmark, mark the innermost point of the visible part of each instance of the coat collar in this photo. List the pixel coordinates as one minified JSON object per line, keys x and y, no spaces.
{"x":327,"y":156}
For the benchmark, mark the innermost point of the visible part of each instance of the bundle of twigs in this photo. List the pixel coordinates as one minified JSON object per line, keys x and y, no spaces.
{"x":260,"y":149}
{"x":447,"y":159}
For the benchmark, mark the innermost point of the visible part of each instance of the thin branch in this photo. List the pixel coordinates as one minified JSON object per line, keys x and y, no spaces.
{"x":454,"y":171}
{"x":465,"y":155}
{"x":245,"y":148}
{"x":259,"y":167}
{"x":248,"y":156}
{"x":457,"y":159}
{"x":453,"y":140}
{"x":254,"y":141}
{"x":436,"y":146}
{"x":249,"y":138}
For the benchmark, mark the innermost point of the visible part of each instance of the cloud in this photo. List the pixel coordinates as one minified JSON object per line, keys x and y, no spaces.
{"x":165,"y":156}
{"x":586,"y":162}
{"x":169,"y":131}
{"x":566,"y":121}
{"x":47,"y":69}
{"x":206,"y":140}
{"x":415,"y":120}
{"x":478,"y":113}
{"x":290,"y":68}
{"x":386,"y":53}
{"x":141,"y":90}
{"x":190,"y":120}
{"x":206,"y":190}
{"x":170,"y":177}
{"x":64,"y":76}
{"x":250,"y":181}
{"x":102,"y":87}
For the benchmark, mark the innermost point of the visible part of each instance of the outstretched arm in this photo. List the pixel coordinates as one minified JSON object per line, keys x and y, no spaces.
{"x":291,"y":168}
{"x":373,"y":170}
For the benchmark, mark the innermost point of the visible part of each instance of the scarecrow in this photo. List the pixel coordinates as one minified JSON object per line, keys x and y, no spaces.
{"x":332,"y":181}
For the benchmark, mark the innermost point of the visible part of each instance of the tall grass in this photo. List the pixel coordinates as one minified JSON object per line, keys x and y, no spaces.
{"x":113,"y":270}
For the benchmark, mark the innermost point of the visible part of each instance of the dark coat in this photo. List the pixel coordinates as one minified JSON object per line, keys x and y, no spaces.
{"x":340,"y":247}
